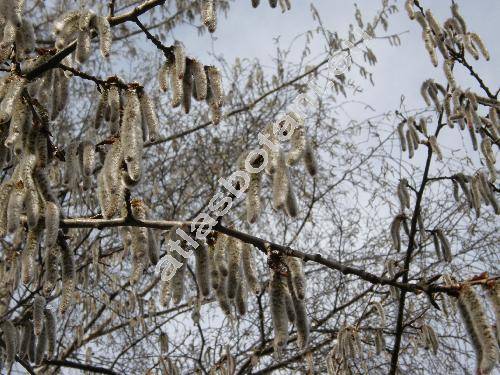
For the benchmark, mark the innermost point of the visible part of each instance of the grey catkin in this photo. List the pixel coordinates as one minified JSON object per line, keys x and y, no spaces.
{"x":38,"y":307}
{"x":202,"y":270}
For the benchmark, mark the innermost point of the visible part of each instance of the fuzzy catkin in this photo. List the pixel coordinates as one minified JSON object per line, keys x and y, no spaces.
{"x":248,"y":266}
{"x":105,"y":37}
{"x":208,"y":15}
{"x":139,"y":244}
{"x":220,"y":253}
{"x":50,"y":276}
{"x":202,"y":270}
{"x":221,"y":295}
{"x":26,"y":338}
{"x":10,"y":339}
{"x":482,"y":328}
{"x":277,"y":290}
{"x":395,"y":232}
{"x":215,"y":82}
{"x":241,"y":297}
{"x":51,"y":223}
{"x":310,"y":159}
{"x":131,"y":136}
{"x":301,"y":320}
{"x":493,"y":289}
{"x":38,"y":307}
{"x":435,"y":147}
{"x":280,"y":182}
{"x":214,"y":269}
{"x":252,"y":198}
{"x":233,"y":252}
{"x":68,"y":278}
{"x":149,"y":115}
{"x":41,"y":346}
{"x":15,"y":206}
{"x":50,"y":323}
{"x":297,"y":276}
{"x":187,"y":87}
{"x":403,"y":193}
{"x":200,"y":80}
{"x":83,"y":46}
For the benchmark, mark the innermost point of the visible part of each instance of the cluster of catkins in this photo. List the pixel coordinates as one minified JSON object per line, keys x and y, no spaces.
{"x":459,"y":106}
{"x":284,"y":4}
{"x":287,"y":304}
{"x":18,"y":33}
{"x":187,"y":78}
{"x":477,"y":324}
{"x":477,"y":191}
{"x":278,"y":167}
{"x":28,"y":192}
{"x":80,"y":25}
{"x":225,"y":265}
{"x":347,"y":347}
{"x":36,"y":339}
{"x":429,"y":338}
{"x":132,"y":118}
{"x":453,"y":33}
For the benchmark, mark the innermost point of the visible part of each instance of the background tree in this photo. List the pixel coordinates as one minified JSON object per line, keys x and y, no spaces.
{"x":379,"y":258}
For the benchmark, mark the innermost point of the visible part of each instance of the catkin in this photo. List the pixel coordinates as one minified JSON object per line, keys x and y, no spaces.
{"x":233,"y":252}
{"x":139,"y":244}
{"x":50,"y":269}
{"x":87,"y":157}
{"x":249,"y":270}
{"x":291,"y":204}
{"x":50,"y":323}
{"x":298,"y":144}
{"x":280,"y":182}
{"x":68,"y":278}
{"x":469,"y":301}
{"x":38,"y":307}
{"x":395,"y":231}
{"x":41,"y":346}
{"x":202,"y":270}
{"x":164,"y":75}
{"x":252,"y":198}
{"x":131,"y":136}
{"x":297,"y":276}
{"x":10,"y":339}
{"x":241,"y":297}
{"x":221,"y":295}
{"x":401,"y":135}
{"x":83,"y":46}
{"x":208,"y":15}
{"x":15,"y":206}
{"x":153,"y":247}
{"x":187,"y":87}
{"x":403,"y":193}
{"x":310,"y":159}
{"x":26,"y":338}
{"x":435,"y":147}
{"x":277,"y":290}
{"x":220,"y":253}
{"x":149,"y":115}
{"x":200,"y":80}
{"x":493,"y":289}
{"x":445,"y":245}
{"x":215,"y":82}
{"x":51,"y":223}
{"x":105,"y":37}
{"x":214,"y":270}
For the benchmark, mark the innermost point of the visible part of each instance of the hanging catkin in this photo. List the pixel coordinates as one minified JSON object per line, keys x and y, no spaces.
{"x":11,"y":344}
{"x":233,"y":252}
{"x":27,"y":336}
{"x":67,"y":276}
{"x":202,"y":270}
{"x":187,"y":87}
{"x":395,"y":231}
{"x":248,"y":266}
{"x":131,"y":135}
{"x":493,"y":289}
{"x":301,"y":320}
{"x":297,"y":276}
{"x":277,"y":290}
{"x":200,"y":80}
{"x":51,"y":223}
{"x":38,"y":307}
{"x":241,"y":297}
{"x":220,"y":253}
{"x":471,"y":306}
{"x":403,"y":193}
{"x":280,"y":182}
{"x":50,"y":323}
{"x":214,"y":269}
{"x":149,"y":115}
{"x":252,"y":198}
{"x":208,"y":15}
{"x":41,"y":346}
